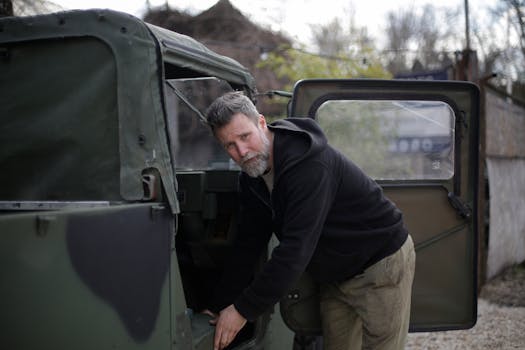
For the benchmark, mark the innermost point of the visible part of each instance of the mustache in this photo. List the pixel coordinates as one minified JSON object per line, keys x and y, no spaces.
{"x":248,"y":156}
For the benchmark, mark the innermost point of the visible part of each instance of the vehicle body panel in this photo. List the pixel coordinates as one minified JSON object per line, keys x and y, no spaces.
{"x":87,"y":215}
{"x":84,"y":272}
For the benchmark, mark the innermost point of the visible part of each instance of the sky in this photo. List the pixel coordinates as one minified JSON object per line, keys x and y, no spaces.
{"x":293,"y":17}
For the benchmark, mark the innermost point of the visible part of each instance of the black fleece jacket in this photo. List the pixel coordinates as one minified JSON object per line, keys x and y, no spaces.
{"x":331,"y":220}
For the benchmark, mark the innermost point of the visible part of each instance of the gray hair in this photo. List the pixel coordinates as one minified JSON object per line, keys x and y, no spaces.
{"x":225,"y":107}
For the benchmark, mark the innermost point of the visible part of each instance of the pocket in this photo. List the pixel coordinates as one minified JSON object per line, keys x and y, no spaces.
{"x":387,"y":271}
{"x":395,"y":268}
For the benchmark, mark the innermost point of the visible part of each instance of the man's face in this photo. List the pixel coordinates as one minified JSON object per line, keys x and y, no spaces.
{"x":246,"y":143}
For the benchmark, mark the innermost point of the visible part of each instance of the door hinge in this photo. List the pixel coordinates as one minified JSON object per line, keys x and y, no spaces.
{"x":150,"y":186}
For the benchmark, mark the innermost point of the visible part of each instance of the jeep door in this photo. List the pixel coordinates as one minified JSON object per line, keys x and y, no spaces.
{"x":419,"y":141}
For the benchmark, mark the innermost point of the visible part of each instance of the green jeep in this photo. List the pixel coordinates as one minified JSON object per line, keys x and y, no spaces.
{"x":118,"y":208}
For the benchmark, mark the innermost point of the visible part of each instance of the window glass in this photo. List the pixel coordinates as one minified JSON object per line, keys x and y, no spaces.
{"x":192,"y":143}
{"x":392,"y":140}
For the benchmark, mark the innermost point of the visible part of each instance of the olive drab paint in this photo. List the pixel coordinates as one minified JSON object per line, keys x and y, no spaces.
{"x":117,"y":209}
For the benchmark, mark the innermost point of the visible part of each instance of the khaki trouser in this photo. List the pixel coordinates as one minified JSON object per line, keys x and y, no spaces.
{"x":371,"y":310}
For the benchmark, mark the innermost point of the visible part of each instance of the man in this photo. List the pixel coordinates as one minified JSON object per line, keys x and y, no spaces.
{"x":331,"y":220}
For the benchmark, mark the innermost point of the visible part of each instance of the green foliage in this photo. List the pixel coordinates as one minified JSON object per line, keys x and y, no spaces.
{"x":292,"y":64}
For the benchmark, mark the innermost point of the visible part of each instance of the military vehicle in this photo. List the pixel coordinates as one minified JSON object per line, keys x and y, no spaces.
{"x":118,"y":209}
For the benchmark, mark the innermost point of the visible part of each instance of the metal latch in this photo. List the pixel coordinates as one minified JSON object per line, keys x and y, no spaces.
{"x":149,"y":184}
{"x":463,"y":209}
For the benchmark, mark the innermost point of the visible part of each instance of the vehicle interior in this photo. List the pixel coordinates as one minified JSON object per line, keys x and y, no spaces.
{"x":207,"y":191}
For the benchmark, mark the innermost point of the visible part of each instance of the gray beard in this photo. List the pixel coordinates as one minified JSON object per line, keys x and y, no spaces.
{"x":257,"y":166}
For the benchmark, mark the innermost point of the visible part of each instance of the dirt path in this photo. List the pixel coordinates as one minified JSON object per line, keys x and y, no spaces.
{"x":501,"y":319}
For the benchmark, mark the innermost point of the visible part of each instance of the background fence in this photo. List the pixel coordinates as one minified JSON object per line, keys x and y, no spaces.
{"x":505,"y":161}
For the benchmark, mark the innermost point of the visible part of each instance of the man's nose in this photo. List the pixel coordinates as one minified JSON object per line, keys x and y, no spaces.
{"x":242,"y":149}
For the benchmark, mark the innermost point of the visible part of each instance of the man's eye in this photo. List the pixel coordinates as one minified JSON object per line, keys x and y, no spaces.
{"x":244,"y":137}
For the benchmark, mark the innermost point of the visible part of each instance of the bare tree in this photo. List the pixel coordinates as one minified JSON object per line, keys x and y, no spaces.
{"x":336,"y":37}
{"x":420,"y":37}
{"x":516,"y":10}
{"x":34,"y":7}
{"x":400,"y":29}
{"x":501,"y":44}
{"x":331,"y":38}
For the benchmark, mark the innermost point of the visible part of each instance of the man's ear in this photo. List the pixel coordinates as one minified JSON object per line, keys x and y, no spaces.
{"x":262,"y":122}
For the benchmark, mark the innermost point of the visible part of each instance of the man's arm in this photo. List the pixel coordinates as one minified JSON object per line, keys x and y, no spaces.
{"x":304,"y":200}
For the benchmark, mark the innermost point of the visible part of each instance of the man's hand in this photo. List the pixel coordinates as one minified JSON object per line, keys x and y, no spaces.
{"x":211,"y":314}
{"x":227,"y":325}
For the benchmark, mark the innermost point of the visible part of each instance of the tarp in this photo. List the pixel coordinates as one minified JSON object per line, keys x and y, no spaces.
{"x":82,"y":103}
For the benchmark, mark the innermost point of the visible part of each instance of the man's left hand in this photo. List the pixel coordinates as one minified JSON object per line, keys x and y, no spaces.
{"x":227,"y":325}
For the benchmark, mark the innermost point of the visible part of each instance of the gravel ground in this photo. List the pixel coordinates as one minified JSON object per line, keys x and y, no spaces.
{"x":500,"y":324}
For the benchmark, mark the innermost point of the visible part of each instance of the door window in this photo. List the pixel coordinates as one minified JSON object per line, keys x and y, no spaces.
{"x":401,"y":140}
{"x":192,"y":143}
